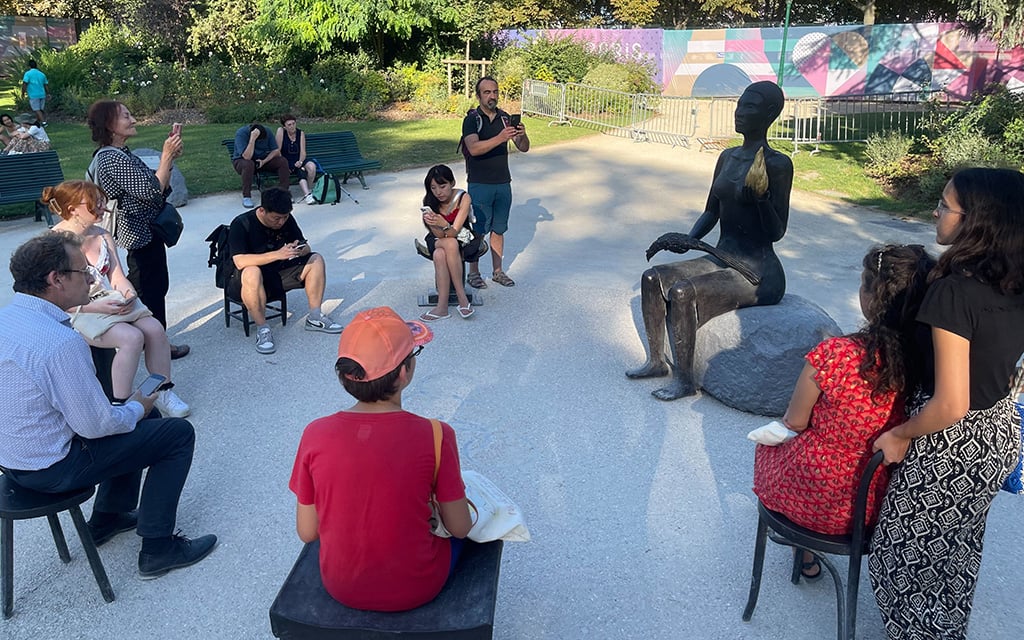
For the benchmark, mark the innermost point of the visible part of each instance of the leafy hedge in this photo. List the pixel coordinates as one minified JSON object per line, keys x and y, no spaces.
{"x":987,"y":132}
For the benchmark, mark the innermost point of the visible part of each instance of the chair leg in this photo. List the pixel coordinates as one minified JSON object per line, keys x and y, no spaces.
{"x":852,"y":586}
{"x":58,"y":538}
{"x":92,"y":554}
{"x":245,"y":319}
{"x":284,"y":309}
{"x":798,"y":565}
{"x":840,"y":595}
{"x":7,"y":564}
{"x":227,"y":311}
{"x":755,"y":575}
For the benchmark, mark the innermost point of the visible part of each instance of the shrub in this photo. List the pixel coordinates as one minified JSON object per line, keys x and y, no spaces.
{"x":246,"y":112}
{"x":564,"y":59}
{"x":609,"y":75}
{"x":887,"y":149}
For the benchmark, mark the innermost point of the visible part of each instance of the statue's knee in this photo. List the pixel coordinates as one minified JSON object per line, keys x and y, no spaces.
{"x":682,"y":292}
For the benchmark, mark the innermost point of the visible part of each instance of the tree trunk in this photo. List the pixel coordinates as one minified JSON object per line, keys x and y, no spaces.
{"x":869,"y":12}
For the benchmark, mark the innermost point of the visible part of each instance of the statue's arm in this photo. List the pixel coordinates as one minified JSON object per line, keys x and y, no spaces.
{"x":773,"y":209}
{"x":707,"y":220}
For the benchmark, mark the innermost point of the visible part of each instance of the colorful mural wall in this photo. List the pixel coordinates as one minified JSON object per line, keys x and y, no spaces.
{"x":19,"y":34}
{"x":819,"y":60}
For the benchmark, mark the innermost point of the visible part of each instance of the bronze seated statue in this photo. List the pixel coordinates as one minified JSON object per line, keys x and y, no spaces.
{"x":749,"y":198}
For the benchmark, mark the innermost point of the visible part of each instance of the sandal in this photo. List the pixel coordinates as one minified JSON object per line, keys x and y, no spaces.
{"x":806,"y":567}
{"x":466,"y":312}
{"x":430,"y":316}
{"x":476,"y":281}
{"x":502,"y":278}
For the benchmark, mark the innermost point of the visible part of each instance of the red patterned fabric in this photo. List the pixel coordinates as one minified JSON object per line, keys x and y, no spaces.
{"x":812,"y":479}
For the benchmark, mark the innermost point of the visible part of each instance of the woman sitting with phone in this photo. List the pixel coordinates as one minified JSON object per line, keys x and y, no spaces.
{"x":448,"y":215}
{"x":115,"y":318}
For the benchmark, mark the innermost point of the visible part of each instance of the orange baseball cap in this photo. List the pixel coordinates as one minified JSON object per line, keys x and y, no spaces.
{"x":379,"y":340}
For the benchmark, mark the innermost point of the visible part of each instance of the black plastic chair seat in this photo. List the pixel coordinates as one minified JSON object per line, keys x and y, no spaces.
{"x":803,"y":537}
{"x":464,"y":610}
{"x":19,"y":503}
{"x":242,"y":314}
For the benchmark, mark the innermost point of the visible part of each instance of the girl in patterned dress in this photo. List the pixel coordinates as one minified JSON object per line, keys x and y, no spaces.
{"x":961,"y":441}
{"x":850,"y":390}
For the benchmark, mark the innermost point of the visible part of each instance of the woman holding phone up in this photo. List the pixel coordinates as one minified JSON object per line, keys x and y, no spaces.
{"x":139,"y":192}
{"x":115,"y":318}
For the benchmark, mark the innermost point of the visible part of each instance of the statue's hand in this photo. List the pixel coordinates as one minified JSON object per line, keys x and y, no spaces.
{"x":674,"y":242}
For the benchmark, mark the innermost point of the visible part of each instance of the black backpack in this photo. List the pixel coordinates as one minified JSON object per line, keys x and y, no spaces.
{"x":220,"y":256}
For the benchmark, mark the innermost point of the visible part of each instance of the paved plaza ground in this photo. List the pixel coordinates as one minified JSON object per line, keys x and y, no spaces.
{"x":641,"y":511}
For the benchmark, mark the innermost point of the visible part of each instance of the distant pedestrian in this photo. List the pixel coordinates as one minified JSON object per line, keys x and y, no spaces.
{"x":34,"y":84}
{"x":486,"y":131}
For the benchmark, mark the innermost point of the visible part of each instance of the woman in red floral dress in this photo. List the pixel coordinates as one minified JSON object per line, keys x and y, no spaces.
{"x":851,"y":389}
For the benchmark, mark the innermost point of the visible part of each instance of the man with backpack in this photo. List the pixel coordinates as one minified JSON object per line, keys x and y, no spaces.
{"x":486,"y":131}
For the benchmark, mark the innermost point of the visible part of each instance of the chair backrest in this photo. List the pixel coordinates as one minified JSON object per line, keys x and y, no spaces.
{"x":860,"y":503}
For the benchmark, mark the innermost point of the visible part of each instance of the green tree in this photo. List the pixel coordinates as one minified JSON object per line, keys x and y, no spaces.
{"x":1003,"y":20}
{"x":634,"y":12}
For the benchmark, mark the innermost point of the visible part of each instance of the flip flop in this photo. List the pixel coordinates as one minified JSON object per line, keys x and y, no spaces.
{"x":502,"y":278}
{"x":466,"y":312}
{"x":430,"y":317}
{"x":476,"y":281}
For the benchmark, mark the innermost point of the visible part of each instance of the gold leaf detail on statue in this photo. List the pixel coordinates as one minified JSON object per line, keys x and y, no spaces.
{"x":757,"y":177}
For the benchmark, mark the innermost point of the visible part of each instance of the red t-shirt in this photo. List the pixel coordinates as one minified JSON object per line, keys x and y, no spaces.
{"x":369,"y":476}
{"x":812,"y":479}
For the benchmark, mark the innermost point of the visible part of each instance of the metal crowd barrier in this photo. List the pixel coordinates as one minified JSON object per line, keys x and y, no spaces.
{"x":709,"y":121}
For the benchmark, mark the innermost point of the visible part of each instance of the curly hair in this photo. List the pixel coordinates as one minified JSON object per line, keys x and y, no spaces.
{"x":893,"y":283}
{"x":989,"y":242}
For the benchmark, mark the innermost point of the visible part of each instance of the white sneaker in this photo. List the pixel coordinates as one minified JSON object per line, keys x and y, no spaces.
{"x":265,"y":341}
{"x":310,"y":199}
{"x":170,"y":405}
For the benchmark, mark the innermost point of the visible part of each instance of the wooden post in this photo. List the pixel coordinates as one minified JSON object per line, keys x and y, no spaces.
{"x":467,"y":68}
{"x":448,"y":66}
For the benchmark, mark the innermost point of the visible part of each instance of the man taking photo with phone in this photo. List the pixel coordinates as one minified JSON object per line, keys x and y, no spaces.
{"x":486,"y":132}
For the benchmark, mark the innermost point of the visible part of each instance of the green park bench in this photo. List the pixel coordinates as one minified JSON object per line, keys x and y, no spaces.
{"x":23,"y":177}
{"x":336,"y":151}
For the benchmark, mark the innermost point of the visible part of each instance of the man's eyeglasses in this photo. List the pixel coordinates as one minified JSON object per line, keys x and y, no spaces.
{"x":416,"y":351}
{"x":86,"y":272}
{"x":942,"y":207}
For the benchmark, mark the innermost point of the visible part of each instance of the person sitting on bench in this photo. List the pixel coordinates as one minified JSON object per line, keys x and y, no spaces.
{"x":255,"y":150}
{"x":362,"y":477}
{"x":271,"y":256}
{"x":448,"y":216}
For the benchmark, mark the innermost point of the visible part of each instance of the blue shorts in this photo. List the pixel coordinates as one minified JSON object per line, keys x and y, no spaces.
{"x":37,"y":104}
{"x":491,"y":206}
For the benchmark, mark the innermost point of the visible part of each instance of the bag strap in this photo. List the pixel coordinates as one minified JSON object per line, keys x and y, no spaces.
{"x":436,"y":424}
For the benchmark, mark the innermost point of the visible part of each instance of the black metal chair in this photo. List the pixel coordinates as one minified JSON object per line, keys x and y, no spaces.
{"x":19,"y":503}
{"x":855,"y":546}
{"x":242,"y":314}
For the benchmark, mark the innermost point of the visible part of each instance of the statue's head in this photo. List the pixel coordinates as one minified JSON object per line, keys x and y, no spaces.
{"x":761,"y":103}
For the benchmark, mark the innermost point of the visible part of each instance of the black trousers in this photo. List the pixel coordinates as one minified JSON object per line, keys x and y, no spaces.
{"x":147,"y":271}
{"x":115,"y":463}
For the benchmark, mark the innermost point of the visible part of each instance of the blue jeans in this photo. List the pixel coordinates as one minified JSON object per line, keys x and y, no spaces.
{"x":115,"y":463}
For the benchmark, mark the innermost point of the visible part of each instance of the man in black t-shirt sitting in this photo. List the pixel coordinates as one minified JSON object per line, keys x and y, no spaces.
{"x":271,"y":256}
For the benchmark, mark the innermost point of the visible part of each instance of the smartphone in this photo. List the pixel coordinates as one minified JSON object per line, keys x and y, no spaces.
{"x":504,"y":121}
{"x":175,"y":130}
{"x":425,"y":210}
{"x":517,"y":119}
{"x":129,"y":301}
{"x":302,"y":245}
{"x":151,"y":384}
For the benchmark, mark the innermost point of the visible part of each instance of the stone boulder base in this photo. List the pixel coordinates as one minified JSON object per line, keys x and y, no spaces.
{"x":179,"y":192}
{"x":750,"y":358}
